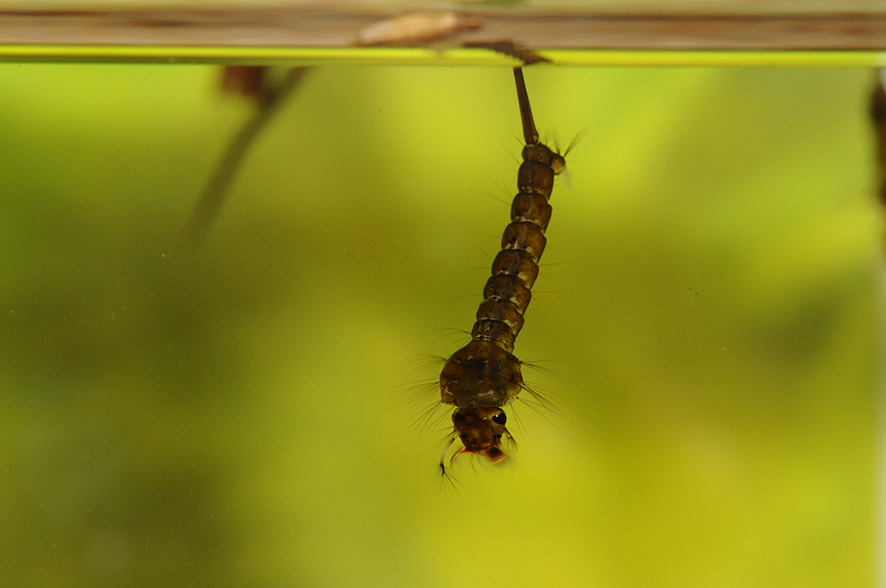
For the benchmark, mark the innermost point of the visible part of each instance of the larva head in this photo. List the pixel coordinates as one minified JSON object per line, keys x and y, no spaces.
{"x":480,"y":374}
{"x":481,"y":431}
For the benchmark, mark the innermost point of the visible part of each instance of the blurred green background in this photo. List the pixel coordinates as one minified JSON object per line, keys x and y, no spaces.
{"x":707,"y":314}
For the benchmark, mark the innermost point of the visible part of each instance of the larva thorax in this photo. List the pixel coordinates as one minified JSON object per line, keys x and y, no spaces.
{"x":484,"y":375}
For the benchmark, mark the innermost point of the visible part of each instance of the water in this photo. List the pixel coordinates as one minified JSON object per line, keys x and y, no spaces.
{"x":707,"y":298}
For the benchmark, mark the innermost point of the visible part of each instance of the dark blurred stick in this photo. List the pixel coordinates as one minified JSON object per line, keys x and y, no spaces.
{"x":213,"y":198}
{"x":878,"y":114}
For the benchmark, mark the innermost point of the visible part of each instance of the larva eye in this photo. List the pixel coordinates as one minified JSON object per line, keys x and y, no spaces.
{"x":500,"y":418}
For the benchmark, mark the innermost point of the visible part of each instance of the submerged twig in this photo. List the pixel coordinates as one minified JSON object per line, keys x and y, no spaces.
{"x":214,"y":194}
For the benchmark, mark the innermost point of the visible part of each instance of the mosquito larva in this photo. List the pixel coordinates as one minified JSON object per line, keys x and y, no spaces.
{"x":484,"y":376}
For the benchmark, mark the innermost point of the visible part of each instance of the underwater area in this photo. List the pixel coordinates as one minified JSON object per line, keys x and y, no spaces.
{"x":706,"y":321}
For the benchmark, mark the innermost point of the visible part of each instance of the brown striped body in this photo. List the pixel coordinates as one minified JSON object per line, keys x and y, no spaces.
{"x":484,"y":375}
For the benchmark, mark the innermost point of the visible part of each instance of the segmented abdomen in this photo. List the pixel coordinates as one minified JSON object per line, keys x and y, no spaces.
{"x":507,"y":293}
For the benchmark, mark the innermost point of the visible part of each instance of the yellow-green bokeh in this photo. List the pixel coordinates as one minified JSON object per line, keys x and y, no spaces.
{"x":707,"y":311}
